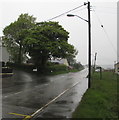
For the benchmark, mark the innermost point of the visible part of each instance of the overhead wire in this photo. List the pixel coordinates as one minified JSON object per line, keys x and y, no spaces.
{"x":108,"y":38}
{"x":100,"y":58}
{"x":66,"y":12}
{"x":97,"y":17}
{"x":80,"y":9}
{"x":105,"y":7}
{"x":104,"y":12}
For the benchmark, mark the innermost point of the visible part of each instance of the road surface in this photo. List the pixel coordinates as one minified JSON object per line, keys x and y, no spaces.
{"x":25,"y":93}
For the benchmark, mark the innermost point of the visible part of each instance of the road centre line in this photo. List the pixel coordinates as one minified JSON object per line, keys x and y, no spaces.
{"x":22,"y":91}
{"x":5,"y":96}
{"x":19,"y":92}
{"x":42,"y":108}
{"x":12,"y":94}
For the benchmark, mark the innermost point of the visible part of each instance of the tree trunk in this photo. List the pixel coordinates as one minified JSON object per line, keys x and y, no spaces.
{"x":42,"y":66}
{"x":20,"y":54}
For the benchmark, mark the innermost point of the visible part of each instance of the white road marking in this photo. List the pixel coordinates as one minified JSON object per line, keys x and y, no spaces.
{"x":21,"y":91}
{"x":62,"y":76}
{"x":5,"y":96}
{"x":12,"y":94}
{"x":42,"y":108}
{"x":17,"y":93}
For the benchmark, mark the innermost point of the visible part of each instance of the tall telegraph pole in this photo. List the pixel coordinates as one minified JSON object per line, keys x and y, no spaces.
{"x":95,"y":61}
{"x":89,"y":46}
{"x":89,"y":42}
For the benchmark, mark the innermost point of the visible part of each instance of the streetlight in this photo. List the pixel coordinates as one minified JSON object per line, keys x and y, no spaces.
{"x":89,"y":44}
{"x":71,"y":15}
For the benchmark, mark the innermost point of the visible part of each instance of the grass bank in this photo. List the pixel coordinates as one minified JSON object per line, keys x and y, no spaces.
{"x":101,"y":100}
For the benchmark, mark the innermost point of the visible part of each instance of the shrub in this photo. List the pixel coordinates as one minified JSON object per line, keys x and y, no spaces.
{"x":57,"y":68}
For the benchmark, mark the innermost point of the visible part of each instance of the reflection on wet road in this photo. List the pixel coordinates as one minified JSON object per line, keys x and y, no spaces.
{"x":25,"y":93}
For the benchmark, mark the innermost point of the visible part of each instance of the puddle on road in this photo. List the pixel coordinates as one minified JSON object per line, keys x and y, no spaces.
{"x":65,"y":105}
{"x":41,"y":95}
{"x":63,"y":102}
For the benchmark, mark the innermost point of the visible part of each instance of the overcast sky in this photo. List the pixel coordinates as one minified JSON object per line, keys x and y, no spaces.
{"x":103,"y":12}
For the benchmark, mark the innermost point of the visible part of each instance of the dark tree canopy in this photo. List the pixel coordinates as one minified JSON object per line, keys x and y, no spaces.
{"x":42,"y":41}
{"x":15,"y":33}
{"x":47,"y":40}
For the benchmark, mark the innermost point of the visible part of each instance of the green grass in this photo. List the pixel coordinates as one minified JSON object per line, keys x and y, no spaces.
{"x":100,"y":101}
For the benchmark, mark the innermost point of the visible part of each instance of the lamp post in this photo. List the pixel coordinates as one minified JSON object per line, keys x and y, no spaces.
{"x":89,"y":41}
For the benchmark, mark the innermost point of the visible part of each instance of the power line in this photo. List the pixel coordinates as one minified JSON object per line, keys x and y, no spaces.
{"x":65,"y":12}
{"x":105,"y":7}
{"x":106,"y":33}
{"x":80,"y":9}
{"x":105,"y":12}
{"x":109,"y":39}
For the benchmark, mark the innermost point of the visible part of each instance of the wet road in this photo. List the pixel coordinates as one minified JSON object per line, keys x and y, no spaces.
{"x":25,"y":93}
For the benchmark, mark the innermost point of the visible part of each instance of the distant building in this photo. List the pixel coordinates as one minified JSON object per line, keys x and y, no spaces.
{"x":60,"y":61}
{"x":117,"y":64}
{"x":118,"y":32}
{"x":117,"y":68}
{"x":4,"y":55}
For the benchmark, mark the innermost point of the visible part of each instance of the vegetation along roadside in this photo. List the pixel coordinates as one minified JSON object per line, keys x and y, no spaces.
{"x":101,"y":100}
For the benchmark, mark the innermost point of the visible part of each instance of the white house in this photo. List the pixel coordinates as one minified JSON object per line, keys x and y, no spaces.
{"x":118,"y":32}
{"x":60,"y":61}
{"x":4,"y":55}
{"x":117,"y":68}
{"x":117,"y":64}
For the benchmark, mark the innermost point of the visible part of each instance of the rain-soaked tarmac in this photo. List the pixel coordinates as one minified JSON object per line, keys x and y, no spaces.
{"x":25,"y":93}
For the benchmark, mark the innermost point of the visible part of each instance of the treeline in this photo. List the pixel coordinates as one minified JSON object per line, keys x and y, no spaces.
{"x":27,"y":39}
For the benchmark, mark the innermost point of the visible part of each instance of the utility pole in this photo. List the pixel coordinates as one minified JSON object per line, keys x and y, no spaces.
{"x":89,"y":46}
{"x":95,"y":61}
{"x":89,"y":42}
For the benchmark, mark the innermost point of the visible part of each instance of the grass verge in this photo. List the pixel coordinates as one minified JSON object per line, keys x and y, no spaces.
{"x":101,"y":100}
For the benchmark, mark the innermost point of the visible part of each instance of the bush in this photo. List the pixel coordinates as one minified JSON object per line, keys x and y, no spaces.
{"x":2,"y":64}
{"x":50,"y":69}
{"x":78,"y":66}
{"x":21,"y":66}
{"x":57,"y":68}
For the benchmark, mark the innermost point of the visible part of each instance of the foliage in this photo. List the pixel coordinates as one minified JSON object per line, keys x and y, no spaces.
{"x":100,"y":101}
{"x":77,"y":65}
{"x":15,"y":33}
{"x":51,"y":69}
{"x":42,"y":41}
{"x":71,"y":60}
{"x":47,"y":40}
{"x":23,"y":66}
{"x":57,"y":68}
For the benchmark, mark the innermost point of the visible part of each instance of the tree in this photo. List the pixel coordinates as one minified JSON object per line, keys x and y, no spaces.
{"x":71,"y":59}
{"x":47,"y":40}
{"x":15,"y":33}
{"x":77,"y":65}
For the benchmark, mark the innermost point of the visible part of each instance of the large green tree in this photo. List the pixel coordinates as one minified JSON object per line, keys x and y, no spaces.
{"x":47,"y":40}
{"x":14,"y":35}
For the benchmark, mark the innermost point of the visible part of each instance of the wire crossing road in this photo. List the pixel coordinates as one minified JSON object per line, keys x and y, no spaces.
{"x":24,"y":94}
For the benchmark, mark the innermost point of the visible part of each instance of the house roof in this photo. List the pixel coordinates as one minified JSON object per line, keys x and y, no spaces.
{"x":117,"y":63}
